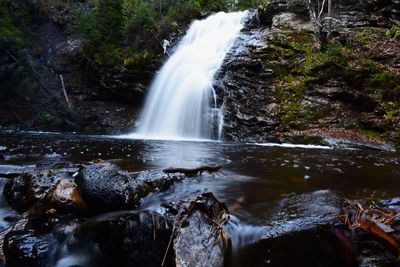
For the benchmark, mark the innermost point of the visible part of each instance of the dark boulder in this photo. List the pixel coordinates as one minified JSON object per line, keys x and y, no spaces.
{"x":24,"y":248}
{"x":130,"y":238}
{"x":18,"y":192}
{"x":61,"y":204}
{"x":200,"y":238}
{"x":25,"y":190}
{"x":105,"y":187}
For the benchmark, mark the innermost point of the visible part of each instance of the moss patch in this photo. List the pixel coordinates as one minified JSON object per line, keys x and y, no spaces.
{"x":361,"y":64}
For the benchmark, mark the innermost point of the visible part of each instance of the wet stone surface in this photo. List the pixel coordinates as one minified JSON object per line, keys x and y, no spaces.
{"x":105,"y":188}
{"x":201,"y":239}
{"x":131,"y":238}
{"x":25,"y":248}
{"x":28,"y":188}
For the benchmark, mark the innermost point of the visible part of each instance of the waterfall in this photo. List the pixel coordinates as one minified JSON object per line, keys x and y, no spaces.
{"x":182,"y":102}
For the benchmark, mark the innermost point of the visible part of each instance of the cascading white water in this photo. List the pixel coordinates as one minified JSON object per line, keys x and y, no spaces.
{"x":182,"y":103}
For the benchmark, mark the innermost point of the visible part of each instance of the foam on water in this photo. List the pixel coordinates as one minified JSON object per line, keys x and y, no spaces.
{"x":292,"y":145}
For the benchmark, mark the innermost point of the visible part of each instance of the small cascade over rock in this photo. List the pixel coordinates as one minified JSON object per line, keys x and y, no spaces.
{"x":182,"y":102}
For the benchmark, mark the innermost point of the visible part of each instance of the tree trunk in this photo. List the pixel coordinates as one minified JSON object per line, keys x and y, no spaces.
{"x":329,"y":20}
{"x":315,"y":22}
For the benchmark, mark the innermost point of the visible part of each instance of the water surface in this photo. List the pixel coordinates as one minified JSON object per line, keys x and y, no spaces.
{"x":253,"y":177}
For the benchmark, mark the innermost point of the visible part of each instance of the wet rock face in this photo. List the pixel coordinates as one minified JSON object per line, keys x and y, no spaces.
{"x":306,"y":211}
{"x":244,"y":83}
{"x":267,"y":90}
{"x":300,"y":233}
{"x":24,"y":248}
{"x":201,"y":239}
{"x":131,"y":238}
{"x":105,"y":187}
{"x":64,"y":197}
{"x":60,"y":205}
{"x":18,"y":192}
{"x":130,"y":84}
{"x":22,"y":192}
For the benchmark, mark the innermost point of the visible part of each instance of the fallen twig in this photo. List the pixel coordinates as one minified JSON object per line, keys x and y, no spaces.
{"x":64,"y":91}
{"x":169,"y":244}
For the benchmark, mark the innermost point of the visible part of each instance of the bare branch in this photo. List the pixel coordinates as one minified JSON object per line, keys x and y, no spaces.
{"x":322,"y":9}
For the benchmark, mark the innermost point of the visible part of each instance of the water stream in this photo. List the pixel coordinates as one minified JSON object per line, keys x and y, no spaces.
{"x":253,"y":180}
{"x":182,"y":102}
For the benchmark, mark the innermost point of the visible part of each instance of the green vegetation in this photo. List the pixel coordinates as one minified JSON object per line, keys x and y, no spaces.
{"x":15,"y":19}
{"x":302,"y":66}
{"x":8,"y":29}
{"x":356,"y":62}
{"x":391,"y":108}
{"x":13,"y":38}
{"x":372,"y":133}
{"x":383,"y":80}
{"x":393,"y":32}
{"x":364,"y":34}
{"x":46,"y":117}
{"x":130,"y":32}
